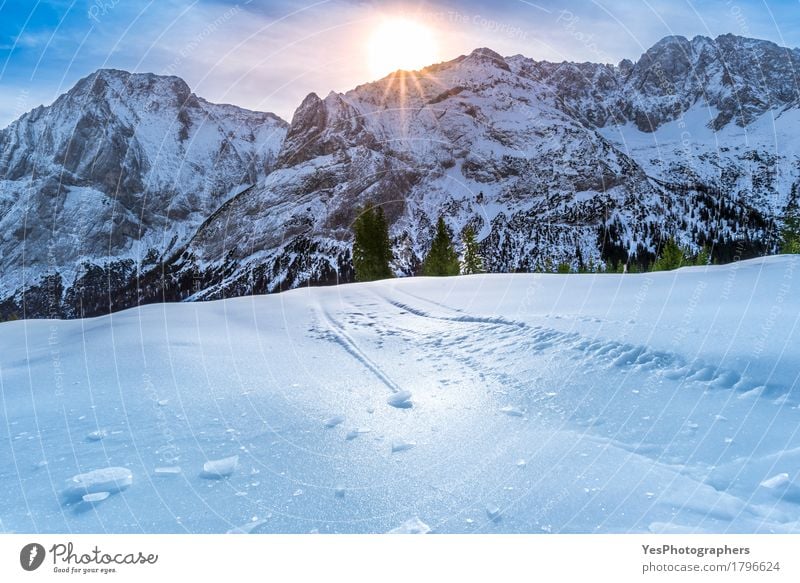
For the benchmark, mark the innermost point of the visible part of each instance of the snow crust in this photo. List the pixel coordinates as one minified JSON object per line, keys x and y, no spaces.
{"x":659,"y":402}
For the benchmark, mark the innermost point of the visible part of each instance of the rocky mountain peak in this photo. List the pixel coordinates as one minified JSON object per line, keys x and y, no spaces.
{"x":486,"y":55}
{"x":122,"y":166}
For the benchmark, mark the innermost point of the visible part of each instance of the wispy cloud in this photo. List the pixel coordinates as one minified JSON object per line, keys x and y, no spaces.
{"x":270,"y":54}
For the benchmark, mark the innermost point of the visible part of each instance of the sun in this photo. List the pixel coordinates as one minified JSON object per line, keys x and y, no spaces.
{"x":399,"y":43}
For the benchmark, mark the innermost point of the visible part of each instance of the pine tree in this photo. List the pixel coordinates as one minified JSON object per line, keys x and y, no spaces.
{"x":472,"y":262}
{"x":671,"y":257}
{"x":384,"y":244}
{"x":372,"y":250}
{"x":790,"y":233}
{"x":442,"y":258}
{"x":703,"y":257}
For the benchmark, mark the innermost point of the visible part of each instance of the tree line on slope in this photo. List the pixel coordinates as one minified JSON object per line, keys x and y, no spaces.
{"x":372,"y":250}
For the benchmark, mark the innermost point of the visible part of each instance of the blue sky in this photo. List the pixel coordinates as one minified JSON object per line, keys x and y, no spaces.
{"x":268,"y":55}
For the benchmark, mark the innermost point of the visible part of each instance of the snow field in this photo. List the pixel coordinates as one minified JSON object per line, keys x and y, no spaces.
{"x":496,"y":403}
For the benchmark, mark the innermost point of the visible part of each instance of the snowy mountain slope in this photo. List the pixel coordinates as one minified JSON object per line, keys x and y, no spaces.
{"x":538,"y":403}
{"x":713,"y":120}
{"x":577,"y":163}
{"x":116,"y":175}
{"x":468,"y":138}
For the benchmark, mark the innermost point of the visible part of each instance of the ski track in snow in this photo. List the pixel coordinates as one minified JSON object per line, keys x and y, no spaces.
{"x":337,"y":333}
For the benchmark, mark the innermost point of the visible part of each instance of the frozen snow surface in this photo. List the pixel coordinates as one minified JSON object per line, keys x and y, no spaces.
{"x":663,"y":402}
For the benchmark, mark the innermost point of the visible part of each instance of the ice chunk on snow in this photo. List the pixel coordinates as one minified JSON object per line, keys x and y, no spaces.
{"x":222,"y":468}
{"x":168,"y":471}
{"x":339,"y":492}
{"x":493,"y":512}
{"x":402,"y":445}
{"x":776,"y":481}
{"x":401,"y":400}
{"x":411,"y":526}
{"x":512,"y":411}
{"x":247,"y":528}
{"x":96,"y":497}
{"x":334,"y":421}
{"x":110,"y":480}
{"x":97,"y":435}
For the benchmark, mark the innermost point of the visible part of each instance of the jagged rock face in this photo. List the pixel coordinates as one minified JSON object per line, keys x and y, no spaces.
{"x":741,"y":78}
{"x":321,"y":128}
{"x":159,"y":195}
{"x":122,"y":166}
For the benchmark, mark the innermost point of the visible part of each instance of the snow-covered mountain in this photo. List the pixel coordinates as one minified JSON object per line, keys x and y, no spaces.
{"x":110,"y":180}
{"x":577,"y":163}
{"x":550,"y":162}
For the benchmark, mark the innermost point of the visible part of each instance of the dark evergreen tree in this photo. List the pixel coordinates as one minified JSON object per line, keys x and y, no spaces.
{"x":671,"y":257}
{"x":384,"y":244}
{"x":442,"y":258}
{"x":703,"y":257}
{"x":790,"y":233}
{"x":472,"y":262}
{"x":372,"y":250}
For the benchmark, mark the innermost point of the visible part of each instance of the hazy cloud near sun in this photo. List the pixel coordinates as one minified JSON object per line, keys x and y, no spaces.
{"x":269,"y":55}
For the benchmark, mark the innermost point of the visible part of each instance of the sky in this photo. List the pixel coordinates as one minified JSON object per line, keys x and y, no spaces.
{"x":269,"y":54}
